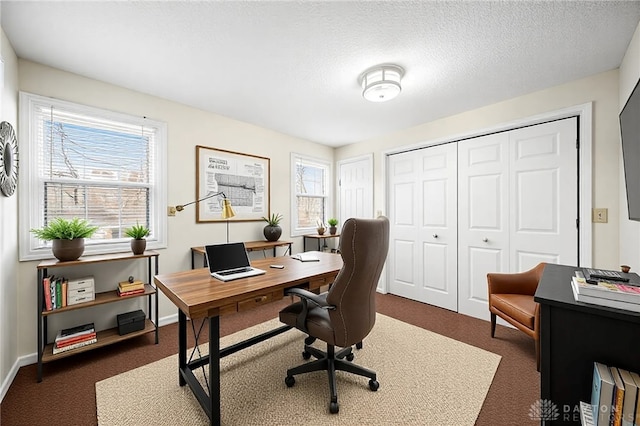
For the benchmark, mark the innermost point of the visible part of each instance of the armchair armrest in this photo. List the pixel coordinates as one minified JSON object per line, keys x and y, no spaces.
{"x":515,"y":283}
{"x":305,"y":297}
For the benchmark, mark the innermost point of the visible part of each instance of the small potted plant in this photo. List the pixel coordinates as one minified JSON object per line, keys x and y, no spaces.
{"x":272,"y":231}
{"x":320,"y":227}
{"x":138,"y":233}
{"x":333,"y":223}
{"x":66,"y":236}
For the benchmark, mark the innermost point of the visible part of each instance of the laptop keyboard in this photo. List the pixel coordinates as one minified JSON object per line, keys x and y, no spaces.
{"x":234,"y":271}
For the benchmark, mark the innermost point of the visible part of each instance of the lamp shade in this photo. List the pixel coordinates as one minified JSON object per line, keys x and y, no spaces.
{"x":381,"y":83}
{"x":227,"y":211}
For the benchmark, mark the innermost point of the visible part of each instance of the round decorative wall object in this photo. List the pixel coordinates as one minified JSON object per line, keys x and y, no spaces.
{"x":8,"y":159}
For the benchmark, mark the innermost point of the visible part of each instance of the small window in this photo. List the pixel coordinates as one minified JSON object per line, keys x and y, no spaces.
{"x":84,"y":162}
{"x":311,"y":193}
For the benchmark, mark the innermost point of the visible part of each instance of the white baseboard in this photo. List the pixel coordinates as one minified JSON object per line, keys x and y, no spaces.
{"x":32,"y":358}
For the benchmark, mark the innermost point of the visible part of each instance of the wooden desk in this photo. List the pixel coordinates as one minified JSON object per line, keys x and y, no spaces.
{"x":249,"y":245}
{"x":198,"y":295}
{"x":572,"y":336}
{"x":320,"y":238}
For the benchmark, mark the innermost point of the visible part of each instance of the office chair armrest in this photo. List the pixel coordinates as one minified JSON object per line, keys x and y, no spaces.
{"x":305,"y":297}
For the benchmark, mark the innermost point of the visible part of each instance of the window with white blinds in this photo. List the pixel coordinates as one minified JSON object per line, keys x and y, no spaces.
{"x":105,"y":167}
{"x":310,"y":193}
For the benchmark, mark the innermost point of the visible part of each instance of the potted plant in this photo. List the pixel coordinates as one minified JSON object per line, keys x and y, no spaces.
{"x":320,"y":227}
{"x":66,"y":236}
{"x":333,"y":223}
{"x":272,"y":230}
{"x":138,"y":233}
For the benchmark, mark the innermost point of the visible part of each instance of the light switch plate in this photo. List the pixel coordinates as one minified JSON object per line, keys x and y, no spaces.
{"x":600,"y":215}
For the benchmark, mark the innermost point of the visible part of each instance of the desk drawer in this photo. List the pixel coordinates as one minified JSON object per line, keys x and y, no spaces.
{"x":254,"y":302}
{"x":321,"y":282}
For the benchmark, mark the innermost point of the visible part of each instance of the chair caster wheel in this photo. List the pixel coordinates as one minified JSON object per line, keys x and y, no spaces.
{"x":289,"y":381}
{"x":306,"y":355}
{"x":309,"y":340}
{"x":374,"y":385}
{"x":350,"y":357}
{"x":334,"y":407}
{"x":359,"y":345}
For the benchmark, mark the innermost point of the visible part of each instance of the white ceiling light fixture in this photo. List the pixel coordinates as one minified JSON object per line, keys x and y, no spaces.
{"x":381,"y":83}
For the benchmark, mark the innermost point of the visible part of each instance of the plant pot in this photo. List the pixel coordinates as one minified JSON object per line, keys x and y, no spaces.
{"x":138,"y":246}
{"x":320,"y":231}
{"x":333,"y":230}
{"x":272,"y":233}
{"x":67,"y":250}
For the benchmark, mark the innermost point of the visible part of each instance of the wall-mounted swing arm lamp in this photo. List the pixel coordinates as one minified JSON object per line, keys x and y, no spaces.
{"x":227,"y":211}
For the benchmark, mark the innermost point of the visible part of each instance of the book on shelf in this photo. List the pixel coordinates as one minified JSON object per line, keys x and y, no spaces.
{"x":306,"y":257}
{"x":618,"y":304}
{"x":586,"y":414}
{"x":52,"y":292}
{"x":130,"y":292}
{"x":618,"y":397}
{"x":630,"y":397}
{"x":79,"y":329}
{"x":57,"y":350}
{"x":636,"y":379}
{"x":46,"y":281}
{"x":126,"y":285}
{"x":66,"y":341}
{"x":601,"y":394}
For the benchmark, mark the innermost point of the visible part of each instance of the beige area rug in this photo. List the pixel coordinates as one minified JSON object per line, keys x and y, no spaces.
{"x":425,"y":379}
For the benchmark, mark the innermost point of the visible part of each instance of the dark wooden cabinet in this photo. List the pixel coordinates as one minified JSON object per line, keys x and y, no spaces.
{"x":572,"y":336}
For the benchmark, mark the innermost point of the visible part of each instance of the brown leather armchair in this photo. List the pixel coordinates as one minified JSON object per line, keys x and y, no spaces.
{"x":511,"y":298}
{"x":346,"y":314}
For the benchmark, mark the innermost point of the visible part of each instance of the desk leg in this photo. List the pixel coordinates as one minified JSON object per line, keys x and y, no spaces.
{"x":214,"y":369}
{"x":182,"y":346}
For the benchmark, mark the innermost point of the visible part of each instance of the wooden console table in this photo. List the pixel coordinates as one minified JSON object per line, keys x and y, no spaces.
{"x":249,"y":245}
{"x":320,"y":238}
{"x":572,"y":336}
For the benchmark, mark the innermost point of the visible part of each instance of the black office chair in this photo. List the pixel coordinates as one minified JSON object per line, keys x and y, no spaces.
{"x":348,"y":312}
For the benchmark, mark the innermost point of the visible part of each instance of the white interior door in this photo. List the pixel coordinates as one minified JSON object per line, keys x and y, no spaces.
{"x":423,"y":241}
{"x":483,"y":218}
{"x":355,"y":183}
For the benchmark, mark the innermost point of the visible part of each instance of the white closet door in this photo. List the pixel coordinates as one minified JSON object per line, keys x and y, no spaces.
{"x":544,"y":188}
{"x":483,"y":218}
{"x":422,"y":256}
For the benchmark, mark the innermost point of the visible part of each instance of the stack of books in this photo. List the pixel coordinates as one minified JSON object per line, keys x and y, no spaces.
{"x":74,"y":338}
{"x":127,"y":288}
{"x":614,"y":397}
{"x":613,"y":294}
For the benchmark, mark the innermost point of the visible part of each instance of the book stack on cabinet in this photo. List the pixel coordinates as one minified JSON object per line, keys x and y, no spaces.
{"x":609,"y":293}
{"x":614,"y":397}
{"x":74,"y":338}
{"x":130,"y":287}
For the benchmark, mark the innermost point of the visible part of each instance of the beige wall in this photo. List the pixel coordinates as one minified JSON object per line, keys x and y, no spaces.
{"x":629,"y":230}
{"x":187,"y":127}
{"x":601,"y":89}
{"x":9,"y":282}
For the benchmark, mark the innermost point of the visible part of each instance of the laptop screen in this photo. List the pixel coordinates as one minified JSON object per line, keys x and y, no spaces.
{"x":222,"y":257}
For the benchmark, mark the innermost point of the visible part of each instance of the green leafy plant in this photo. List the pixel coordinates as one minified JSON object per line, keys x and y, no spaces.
{"x":137,"y":232}
{"x":332,"y":222}
{"x":273,"y":220}
{"x":65,"y":229}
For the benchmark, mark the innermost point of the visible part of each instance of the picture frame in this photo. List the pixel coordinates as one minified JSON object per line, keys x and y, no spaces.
{"x":243,"y":178}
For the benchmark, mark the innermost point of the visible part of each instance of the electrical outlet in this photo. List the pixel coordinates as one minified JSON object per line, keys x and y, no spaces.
{"x":600,"y":215}
{"x":171,"y":211}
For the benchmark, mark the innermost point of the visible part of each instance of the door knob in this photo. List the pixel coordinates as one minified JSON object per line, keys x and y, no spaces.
{"x":435,"y":235}
{"x":485,"y":239}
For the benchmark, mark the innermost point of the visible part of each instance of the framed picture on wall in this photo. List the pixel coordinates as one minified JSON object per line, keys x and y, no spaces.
{"x":243,"y":178}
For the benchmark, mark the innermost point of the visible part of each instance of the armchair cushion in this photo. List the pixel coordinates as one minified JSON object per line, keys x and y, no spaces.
{"x":517,"y":306}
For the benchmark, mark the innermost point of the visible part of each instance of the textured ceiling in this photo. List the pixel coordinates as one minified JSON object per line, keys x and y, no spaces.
{"x":293,"y":66}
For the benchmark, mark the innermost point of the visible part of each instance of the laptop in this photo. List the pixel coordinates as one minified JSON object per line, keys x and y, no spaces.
{"x":230,"y":262}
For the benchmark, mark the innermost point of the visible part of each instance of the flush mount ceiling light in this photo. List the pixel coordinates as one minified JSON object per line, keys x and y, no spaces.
{"x":381,"y":83}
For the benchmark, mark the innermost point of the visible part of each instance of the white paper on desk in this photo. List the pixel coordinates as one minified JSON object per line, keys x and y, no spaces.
{"x":306,"y":257}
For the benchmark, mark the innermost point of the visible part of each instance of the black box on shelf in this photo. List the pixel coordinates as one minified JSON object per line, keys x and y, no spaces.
{"x":130,"y":322}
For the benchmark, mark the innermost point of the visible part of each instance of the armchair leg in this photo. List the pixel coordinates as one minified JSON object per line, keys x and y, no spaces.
{"x":493,"y":325}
